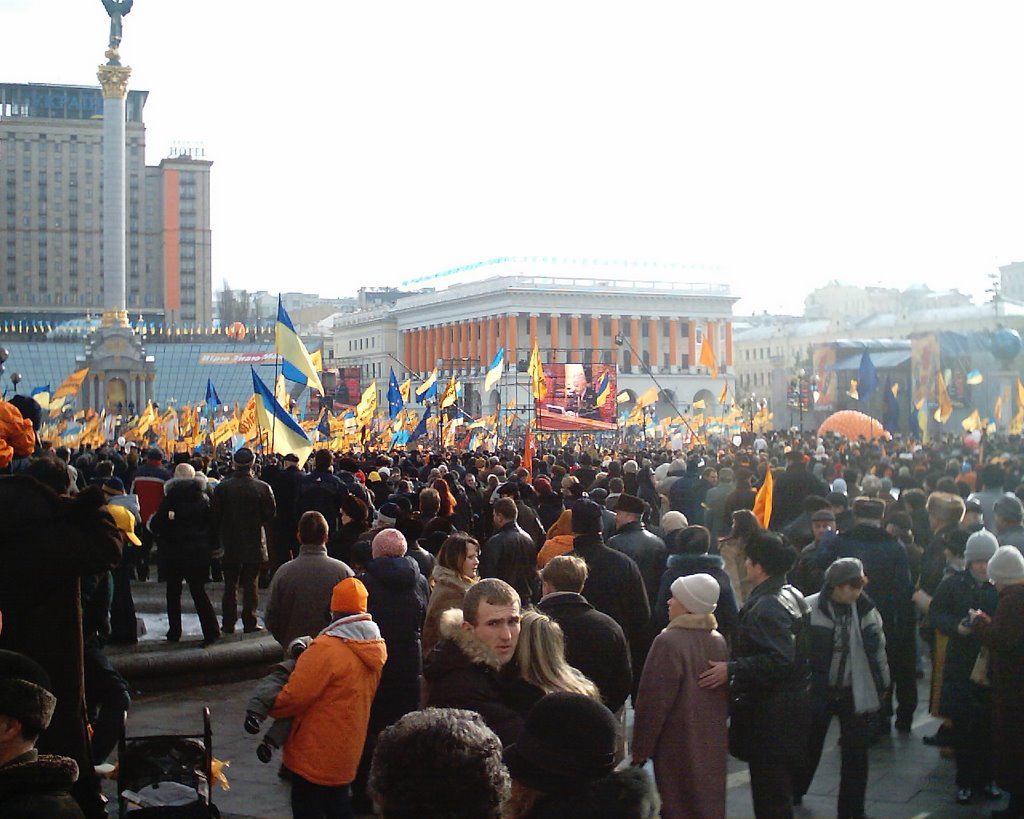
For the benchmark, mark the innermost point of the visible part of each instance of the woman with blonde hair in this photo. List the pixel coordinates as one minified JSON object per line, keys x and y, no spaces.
{"x":454,"y":572}
{"x":540,"y":655}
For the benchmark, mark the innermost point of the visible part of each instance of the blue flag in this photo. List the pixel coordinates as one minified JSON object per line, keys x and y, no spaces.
{"x":867,"y":377}
{"x":421,"y":427}
{"x":212,"y":399}
{"x":324,"y":427}
{"x":395,"y":402}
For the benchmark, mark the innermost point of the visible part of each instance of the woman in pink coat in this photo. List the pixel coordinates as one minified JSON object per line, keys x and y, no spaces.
{"x":678,"y":724}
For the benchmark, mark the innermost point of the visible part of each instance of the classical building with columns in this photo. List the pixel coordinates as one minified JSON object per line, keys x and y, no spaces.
{"x":573,"y":318}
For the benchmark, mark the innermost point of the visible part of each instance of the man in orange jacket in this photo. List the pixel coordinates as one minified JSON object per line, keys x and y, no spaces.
{"x":329,"y":695}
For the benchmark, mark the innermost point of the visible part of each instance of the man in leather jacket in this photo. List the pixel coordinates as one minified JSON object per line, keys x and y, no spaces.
{"x":633,"y":539}
{"x":769,"y":678}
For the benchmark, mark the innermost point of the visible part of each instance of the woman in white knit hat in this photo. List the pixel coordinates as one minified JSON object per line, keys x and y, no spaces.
{"x":678,"y":724}
{"x":1003,"y":635}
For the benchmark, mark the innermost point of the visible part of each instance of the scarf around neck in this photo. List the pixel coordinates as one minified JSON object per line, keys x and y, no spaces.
{"x":700,"y":622}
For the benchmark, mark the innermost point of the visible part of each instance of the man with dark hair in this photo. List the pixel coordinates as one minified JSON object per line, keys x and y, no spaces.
{"x":1008,"y":514}
{"x":321,"y":491}
{"x":510,"y":553}
{"x":888,"y":571}
{"x":473,"y":666}
{"x":769,"y":678}
{"x":243,"y":506}
{"x":526,"y":517}
{"x":284,"y":482}
{"x":594,"y":642}
{"x":31,"y":785}
{"x":299,"y":600}
{"x":439,"y":762}
{"x":795,"y":484}
{"x":148,"y":486}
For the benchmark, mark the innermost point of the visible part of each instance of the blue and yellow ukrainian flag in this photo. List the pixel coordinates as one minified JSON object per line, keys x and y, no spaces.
{"x":428,"y":389}
{"x":289,"y":346}
{"x":494,"y":369}
{"x":603,"y":391}
{"x":286,"y":436}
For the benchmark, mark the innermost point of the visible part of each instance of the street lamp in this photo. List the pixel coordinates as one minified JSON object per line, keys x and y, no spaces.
{"x":750,"y":405}
{"x":802,"y":394}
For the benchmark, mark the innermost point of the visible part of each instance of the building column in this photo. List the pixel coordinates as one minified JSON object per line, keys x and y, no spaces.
{"x":492,"y":340}
{"x":595,"y":339}
{"x":692,"y":344}
{"x":464,"y":341}
{"x":553,"y":323}
{"x":474,"y":342}
{"x":653,"y":328}
{"x":446,"y":345}
{"x":407,"y":350}
{"x":711,"y":331}
{"x":113,"y":79}
{"x":533,"y":331}
{"x":673,"y":343}
{"x":512,"y":339}
{"x":728,"y":344}
{"x":574,"y":335}
{"x":616,"y":358}
{"x":421,"y":337}
{"x":634,"y":337}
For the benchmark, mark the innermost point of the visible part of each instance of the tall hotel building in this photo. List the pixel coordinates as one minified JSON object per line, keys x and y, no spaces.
{"x":572,"y":309}
{"x":51,"y":255}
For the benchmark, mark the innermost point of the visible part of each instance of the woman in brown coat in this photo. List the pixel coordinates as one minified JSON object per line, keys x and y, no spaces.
{"x":678,"y":724}
{"x":1003,"y":636}
{"x":455,"y":571}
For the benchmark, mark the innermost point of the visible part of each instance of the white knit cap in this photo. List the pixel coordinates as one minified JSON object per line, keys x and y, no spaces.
{"x":698,"y":592}
{"x":673,"y":520}
{"x":1006,"y":565}
{"x":981,"y":545}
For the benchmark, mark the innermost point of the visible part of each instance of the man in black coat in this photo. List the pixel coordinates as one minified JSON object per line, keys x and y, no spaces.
{"x":594,"y":642}
{"x":769,"y":678}
{"x":510,"y":554}
{"x":321,"y":491}
{"x":45,"y":548}
{"x":888,"y":572}
{"x":284,"y":481}
{"x":795,"y":484}
{"x":614,"y":583}
{"x":633,"y":539}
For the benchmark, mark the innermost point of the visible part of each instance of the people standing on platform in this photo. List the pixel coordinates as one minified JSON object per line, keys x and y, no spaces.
{"x":243,"y":506}
{"x":183,"y":527}
{"x":148,"y":486}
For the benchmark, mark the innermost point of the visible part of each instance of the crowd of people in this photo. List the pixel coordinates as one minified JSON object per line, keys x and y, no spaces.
{"x":468,"y":630}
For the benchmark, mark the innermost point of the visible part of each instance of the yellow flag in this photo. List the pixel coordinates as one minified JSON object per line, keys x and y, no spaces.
{"x":1020,"y":395}
{"x":451,"y":393}
{"x":71,"y":384}
{"x":707,"y":356}
{"x":724,"y":396}
{"x":972,"y":422}
{"x":536,"y":371}
{"x":945,"y":409}
{"x":622,"y":397}
{"x":317,"y":357}
{"x":701,"y":404}
{"x":281,"y":391}
{"x":406,"y":391}
{"x":647,"y":398}
{"x":998,"y":410}
{"x":368,"y":403}
{"x":763,"y":500}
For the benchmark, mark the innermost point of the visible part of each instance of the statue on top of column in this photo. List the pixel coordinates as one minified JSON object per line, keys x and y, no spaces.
{"x":116,"y":9}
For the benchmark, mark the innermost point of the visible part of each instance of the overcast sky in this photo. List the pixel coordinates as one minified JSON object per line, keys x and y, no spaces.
{"x":783,"y":144}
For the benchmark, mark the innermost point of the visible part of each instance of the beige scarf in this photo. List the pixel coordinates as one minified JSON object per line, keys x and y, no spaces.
{"x":701,"y":622}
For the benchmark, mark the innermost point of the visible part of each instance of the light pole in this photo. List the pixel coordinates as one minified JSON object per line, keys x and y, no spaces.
{"x":750,"y":405}
{"x":802,"y":391}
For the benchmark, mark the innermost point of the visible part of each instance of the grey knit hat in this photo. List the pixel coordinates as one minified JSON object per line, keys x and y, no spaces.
{"x":980,"y":546}
{"x":1006,"y":565}
{"x":843,"y":570}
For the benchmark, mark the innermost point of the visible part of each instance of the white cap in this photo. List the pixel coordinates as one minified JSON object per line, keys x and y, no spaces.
{"x":698,"y":592}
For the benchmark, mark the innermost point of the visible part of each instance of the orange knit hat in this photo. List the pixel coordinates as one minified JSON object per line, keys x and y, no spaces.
{"x":349,"y":596}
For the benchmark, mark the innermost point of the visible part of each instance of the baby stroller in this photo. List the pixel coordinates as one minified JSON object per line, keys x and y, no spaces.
{"x":166,"y":776}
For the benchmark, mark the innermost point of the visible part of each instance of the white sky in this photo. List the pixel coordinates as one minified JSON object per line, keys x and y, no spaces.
{"x":785,"y":143}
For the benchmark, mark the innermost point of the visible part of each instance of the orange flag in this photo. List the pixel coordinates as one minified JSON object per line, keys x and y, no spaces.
{"x":529,"y":449}
{"x":763,"y":501}
{"x":707,"y":356}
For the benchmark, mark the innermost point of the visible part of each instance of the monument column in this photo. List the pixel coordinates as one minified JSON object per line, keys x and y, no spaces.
{"x":113,"y":79}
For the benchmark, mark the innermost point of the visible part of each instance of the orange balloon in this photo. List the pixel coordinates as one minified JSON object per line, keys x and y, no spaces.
{"x":853,"y":425}
{"x":236,"y":331}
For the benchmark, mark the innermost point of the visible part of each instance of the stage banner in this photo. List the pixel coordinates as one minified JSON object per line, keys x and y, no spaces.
{"x":924,"y":366}
{"x":824,"y":360}
{"x":266,"y":357}
{"x":572,"y":401}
